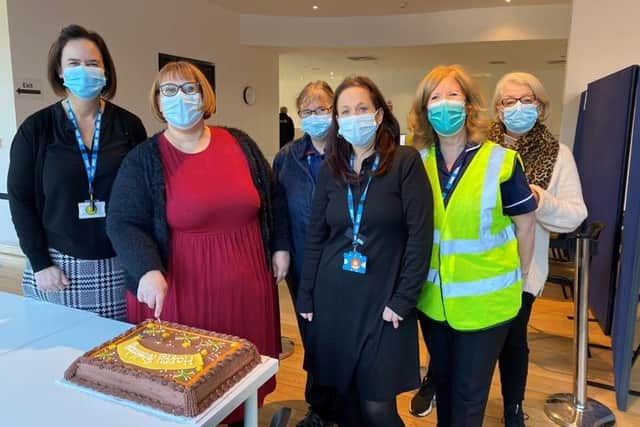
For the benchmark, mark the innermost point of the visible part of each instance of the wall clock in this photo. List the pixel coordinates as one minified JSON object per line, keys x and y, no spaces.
{"x":249,"y":95}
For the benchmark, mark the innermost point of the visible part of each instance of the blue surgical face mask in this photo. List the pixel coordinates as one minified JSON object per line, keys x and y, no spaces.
{"x":359,"y":130}
{"x":520,"y":118}
{"x":182,"y":111}
{"x":447,"y":117}
{"x":84,"y":82}
{"x":317,"y":126}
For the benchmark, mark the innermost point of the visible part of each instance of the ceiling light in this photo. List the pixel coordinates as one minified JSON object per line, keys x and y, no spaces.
{"x":404,"y":4}
{"x":508,"y":1}
{"x":315,"y":7}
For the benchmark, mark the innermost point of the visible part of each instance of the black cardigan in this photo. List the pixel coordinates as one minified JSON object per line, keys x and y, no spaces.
{"x":137,"y":221}
{"x":47,"y":179}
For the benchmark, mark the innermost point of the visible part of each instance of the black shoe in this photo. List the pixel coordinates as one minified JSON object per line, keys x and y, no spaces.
{"x":514,"y":416}
{"x":312,"y":420}
{"x":424,"y":400}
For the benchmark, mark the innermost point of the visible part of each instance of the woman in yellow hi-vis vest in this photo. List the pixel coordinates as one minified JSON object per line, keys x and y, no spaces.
{"x":482,"y":246}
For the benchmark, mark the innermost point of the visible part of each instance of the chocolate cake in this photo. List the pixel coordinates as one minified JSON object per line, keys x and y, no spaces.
{"x":174,"y":368}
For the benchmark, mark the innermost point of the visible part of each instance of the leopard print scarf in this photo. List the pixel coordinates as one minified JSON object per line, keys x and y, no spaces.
{"x":538,"y":149}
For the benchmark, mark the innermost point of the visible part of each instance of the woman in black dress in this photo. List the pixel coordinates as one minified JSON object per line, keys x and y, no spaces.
{"x":359,"y":292}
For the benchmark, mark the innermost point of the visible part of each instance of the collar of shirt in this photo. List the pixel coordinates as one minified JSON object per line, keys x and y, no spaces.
{"x":442,"y":165}
{"x":310,"y":150}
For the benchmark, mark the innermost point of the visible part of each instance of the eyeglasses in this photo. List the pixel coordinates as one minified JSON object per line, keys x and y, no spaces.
{"x":510,"y":102}
{"x":171,"y":89}
{"x":320,"y":111}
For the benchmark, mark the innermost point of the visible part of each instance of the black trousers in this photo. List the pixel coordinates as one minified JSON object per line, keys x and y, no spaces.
{"x":514,"y":358}
{"x":322,"y":400}
{"x":461,"y":366}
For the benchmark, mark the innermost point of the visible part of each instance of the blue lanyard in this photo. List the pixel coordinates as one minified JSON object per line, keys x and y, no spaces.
{"x":356,"y":219}
{"x":452,"y":179}
{"x":90,"y":165}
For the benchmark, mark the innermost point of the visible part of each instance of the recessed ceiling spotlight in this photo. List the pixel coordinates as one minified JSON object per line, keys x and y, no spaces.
{"x":508,"y":1}
{"x":315,"y":7}
{"x":404,"y":4}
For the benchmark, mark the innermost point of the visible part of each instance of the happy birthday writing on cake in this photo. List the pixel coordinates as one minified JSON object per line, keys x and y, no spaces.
{"x":132,"y":352}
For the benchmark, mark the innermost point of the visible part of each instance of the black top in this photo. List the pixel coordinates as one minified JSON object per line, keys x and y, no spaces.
{"x":348,"y":338}
{"x":287,"y":129}
{"x":47,"y":180}
{"x":137,"y":221}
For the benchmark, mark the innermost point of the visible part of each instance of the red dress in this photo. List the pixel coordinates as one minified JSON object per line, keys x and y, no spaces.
{"x":217,"y":272}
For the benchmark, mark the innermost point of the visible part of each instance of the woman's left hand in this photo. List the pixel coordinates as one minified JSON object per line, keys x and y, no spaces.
{"x":280,"y":262}
{"x":390,"y":316}
{"x":536,"y":193}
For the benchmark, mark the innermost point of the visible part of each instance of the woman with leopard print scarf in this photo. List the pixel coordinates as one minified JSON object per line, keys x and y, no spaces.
{"x":521,"y":105}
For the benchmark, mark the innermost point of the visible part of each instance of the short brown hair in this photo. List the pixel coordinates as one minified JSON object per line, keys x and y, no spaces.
{"x":476,"y":124}
{"x":386,"y":140}
{"x":525,"y":79}
{"x":187,"y":71}
{"x":307,"y":92}
{"x":74,"y":32}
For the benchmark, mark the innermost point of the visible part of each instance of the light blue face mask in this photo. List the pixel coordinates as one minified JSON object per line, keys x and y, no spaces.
{"x":84,"y":82}
{"x":182,"y":111}
{"x":447,"y":117}
{"x":520,"y":118}
{"x":359,"y":130}
{"x":317,"y":126}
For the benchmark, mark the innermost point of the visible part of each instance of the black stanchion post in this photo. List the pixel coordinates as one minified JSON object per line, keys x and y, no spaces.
{"x":576,"y":409}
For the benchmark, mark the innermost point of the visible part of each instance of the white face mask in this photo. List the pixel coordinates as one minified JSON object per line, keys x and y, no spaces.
{"x":359,"y":130}
{"x":182,"y":111}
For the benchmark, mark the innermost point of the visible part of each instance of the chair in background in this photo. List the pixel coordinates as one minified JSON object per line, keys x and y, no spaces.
{"x":562,"y":255}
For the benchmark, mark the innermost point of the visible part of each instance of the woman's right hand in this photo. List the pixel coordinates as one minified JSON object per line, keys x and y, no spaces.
{"x":152,"y":290}
{"x":307,"y":316}
{"x":51,"y":279}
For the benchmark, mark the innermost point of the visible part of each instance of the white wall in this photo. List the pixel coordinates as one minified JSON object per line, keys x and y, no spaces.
{"x":7,"y":122}
{"x":604,"y":38}
{"x":509,"y":22}
{"x":136,"y":31}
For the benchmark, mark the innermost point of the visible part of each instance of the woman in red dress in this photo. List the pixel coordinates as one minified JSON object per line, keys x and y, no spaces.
{"x":192,"y":222}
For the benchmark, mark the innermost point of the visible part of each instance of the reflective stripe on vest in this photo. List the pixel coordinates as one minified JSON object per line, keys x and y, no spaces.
{"x":477,"y":287}
{"x":474,"y":247}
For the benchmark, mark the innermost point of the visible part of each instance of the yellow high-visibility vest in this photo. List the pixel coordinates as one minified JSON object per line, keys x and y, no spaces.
{"x":474,"y":279}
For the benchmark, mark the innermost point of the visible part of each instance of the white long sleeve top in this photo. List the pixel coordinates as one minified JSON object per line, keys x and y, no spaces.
{"x":561,"y":209}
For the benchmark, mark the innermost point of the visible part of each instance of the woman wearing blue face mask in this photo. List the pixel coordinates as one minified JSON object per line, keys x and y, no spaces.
{"x":482,"y":246}
{"x":193,"y":221}
{"x":296,"y":169}
{"x":365,"y":260}
{"x":521,"y":105}
{"x":64,"y":159}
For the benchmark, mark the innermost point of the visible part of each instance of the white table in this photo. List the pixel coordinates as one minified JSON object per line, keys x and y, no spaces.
{"x":25,"y":320}
{"x":30,"y":391}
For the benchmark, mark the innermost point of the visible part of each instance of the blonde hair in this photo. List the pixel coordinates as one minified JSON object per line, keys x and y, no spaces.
{"x":186,"y":71}
{"x":525,"y":79}
{"x":476,"y":123}
{"x":308,"y":92}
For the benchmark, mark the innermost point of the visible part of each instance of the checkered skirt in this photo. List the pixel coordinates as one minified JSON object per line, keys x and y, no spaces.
{"x":97,"y":285}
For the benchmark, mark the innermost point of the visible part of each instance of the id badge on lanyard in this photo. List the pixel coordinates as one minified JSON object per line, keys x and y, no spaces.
{"x":353,"y":260}
{"x":91,"y":208}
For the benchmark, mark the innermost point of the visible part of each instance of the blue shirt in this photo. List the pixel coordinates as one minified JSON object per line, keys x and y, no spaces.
{"x":312,"y":157}
{"x":517,"y":198}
